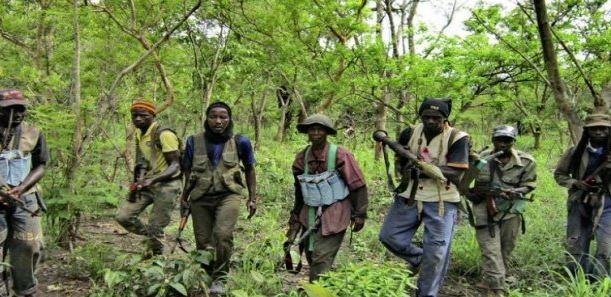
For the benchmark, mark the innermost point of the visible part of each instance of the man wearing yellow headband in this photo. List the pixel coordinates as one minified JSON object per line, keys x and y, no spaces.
{"x":156,"y":177}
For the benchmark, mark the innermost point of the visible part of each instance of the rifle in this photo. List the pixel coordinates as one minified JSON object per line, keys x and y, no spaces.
{"x":490,"y":193}
{"x":134,"y":189}
{"x":184,"y":217}
{"x":590,"y":180}
{"x":474,"y":170}
{"x":288,"y":260}
{"x":292,"y":241}
{"x":428,"y":169}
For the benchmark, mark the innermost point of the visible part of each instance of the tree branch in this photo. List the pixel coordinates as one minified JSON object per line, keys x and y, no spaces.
{"x":510,"y":46}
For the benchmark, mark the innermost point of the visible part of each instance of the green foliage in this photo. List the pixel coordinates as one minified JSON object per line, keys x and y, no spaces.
{"x":155,"y":277}
{"x":366,"y":279}
{"x":579,"y":285}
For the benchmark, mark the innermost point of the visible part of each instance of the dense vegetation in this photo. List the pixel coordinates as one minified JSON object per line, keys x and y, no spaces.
{"x":368,"y":64}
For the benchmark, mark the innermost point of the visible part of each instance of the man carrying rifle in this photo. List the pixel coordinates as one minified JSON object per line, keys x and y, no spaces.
{"x":22,"y":164}
{"x":157,"y":177}
{"x":498,"y":203}
{"x":427,"y":198}
{"x":584,"y":170}
{"x":219,"y":167}
{"x":330,"y":195}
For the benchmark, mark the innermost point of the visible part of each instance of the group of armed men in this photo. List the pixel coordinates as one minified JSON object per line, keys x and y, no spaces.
{"x":216,"y":171}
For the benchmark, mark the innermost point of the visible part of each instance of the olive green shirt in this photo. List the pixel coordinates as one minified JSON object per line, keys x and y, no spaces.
{"x":519,"y":172}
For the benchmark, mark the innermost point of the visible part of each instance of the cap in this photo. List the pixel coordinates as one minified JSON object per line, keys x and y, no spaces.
{"x":12,"y":97}
{"x":505,"y":131}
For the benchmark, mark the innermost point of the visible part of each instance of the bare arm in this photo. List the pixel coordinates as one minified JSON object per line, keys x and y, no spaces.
{"x":251,"y":184}
{"x":172,"y":158}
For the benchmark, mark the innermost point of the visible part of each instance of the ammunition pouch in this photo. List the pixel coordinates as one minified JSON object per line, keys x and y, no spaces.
{"x":15,"y":166}
{"x":324,"y":188}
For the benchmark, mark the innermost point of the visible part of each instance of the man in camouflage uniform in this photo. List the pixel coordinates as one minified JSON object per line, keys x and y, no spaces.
{"x":24,"y":157}
{"x":584,"y":169}
{"x":157,"y":177}
{"x":499,"y":202}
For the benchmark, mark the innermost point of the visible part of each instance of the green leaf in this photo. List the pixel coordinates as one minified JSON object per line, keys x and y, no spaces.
{"x":316,"y":290}
{"x":179,"y":288}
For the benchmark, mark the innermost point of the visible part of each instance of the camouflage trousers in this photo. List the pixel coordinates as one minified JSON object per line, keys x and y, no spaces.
{"x":214,"y":221}
{"x":496,"y":251}
{"x":163,"y":197}
{"x":21,"y":237}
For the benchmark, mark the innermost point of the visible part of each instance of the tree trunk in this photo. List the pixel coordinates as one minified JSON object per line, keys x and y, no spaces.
{"x":553,"y":74}
{"x":69,"y":225}
{"x":284,"y":100}
{"x":257,"y":114}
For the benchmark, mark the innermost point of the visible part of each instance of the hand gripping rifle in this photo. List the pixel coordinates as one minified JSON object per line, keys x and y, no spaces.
{"x":427,"y":169}
{"x":490,"y":193}
{"x":184,"y":218}
{"x":474,"y":169}
{"x":6,"y":198}
{"x":292,"y":241}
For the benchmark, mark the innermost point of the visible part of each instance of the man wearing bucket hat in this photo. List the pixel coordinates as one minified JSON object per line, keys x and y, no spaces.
{"x":422,"y":199}
{"x":499,"y":202}
{"x":330,"y":195}
{"x":584,"y":169}
{"x":24,"y":156}
{"x":157,"y":178}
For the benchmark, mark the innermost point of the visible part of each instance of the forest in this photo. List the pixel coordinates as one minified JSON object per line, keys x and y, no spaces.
{"x":540,"y":66}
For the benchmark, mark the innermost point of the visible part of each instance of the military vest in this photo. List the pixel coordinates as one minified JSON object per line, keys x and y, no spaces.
{"x":226,"y":177}
{"x":16,"y":156}
{"x":429,"y":190}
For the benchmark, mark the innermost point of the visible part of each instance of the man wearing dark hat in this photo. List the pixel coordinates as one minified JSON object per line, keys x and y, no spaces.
{"x":584,"y":169}
{"x":422,"y":199}
{"x":24,"y":156}
{"x":499,"y":203}
{"x":219,"y":168}
{"x":157,"y":179}
{"x":330,"y":194}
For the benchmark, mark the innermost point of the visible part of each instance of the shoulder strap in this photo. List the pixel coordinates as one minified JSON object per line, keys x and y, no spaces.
{"x":17,"y":137}
{"x":453,"y":133}
{"x":237,"y":147}
{"x":199,"y":145}
{"x":306,"y":153}
{"x":157,"y":135}
{"x":331,"y":157}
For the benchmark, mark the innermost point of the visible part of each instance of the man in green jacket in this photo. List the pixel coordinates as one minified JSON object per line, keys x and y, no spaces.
{"x":498,"y":205}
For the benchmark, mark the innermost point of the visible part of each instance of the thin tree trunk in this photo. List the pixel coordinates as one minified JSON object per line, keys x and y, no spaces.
{"x":257,"y":113}
{"x":284,"y":107}
{"x":551,"y":66}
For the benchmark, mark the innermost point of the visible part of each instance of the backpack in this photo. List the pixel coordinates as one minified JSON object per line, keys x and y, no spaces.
{"x":156,"y":138}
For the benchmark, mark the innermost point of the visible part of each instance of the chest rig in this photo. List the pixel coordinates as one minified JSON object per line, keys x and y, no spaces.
{"x":226,"y":177}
